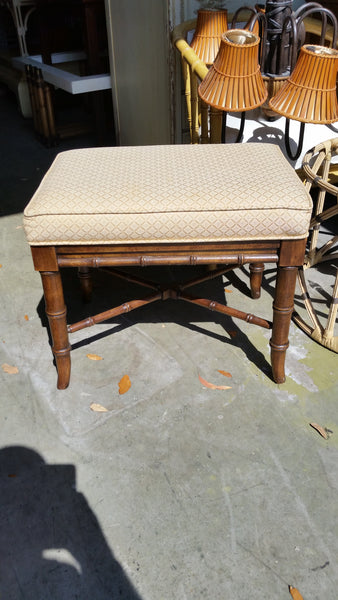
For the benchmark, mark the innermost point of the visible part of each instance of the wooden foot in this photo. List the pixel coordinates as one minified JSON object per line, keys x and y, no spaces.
{"x":56,"y":313}
{"x":282,"y":312}
{"x":256,"y":276}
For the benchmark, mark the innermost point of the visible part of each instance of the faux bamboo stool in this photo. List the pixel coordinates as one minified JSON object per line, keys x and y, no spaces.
{"x":169,"y":205}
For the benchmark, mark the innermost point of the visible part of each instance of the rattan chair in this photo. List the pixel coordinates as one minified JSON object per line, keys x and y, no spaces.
{"x":320,"y":171}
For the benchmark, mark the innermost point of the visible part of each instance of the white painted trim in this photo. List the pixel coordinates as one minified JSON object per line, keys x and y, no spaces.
{"x":74,"y":84}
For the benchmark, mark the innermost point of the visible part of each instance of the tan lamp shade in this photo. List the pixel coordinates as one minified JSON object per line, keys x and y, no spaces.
{"x":234,"y":82}
{"x":210,"y":25}
{"x":309,"y":94}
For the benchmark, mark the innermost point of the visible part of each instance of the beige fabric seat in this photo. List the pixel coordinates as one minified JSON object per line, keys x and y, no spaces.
{"x":169,"y":205}
{"x":168,"y":194}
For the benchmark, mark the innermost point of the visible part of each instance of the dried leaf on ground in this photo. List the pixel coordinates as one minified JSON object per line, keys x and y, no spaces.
{"x":0,"y":266}
{"x":225,"y":373}
{"x":10,"y":369}
{"x":213,"y":386}
{"x":124,"y":384}
{"x":321,"y":430}
{"x":94,"y":357}
{"x":26,"y":317}
{"x":228,"y":291}
{"x":296,"y":595}
{"x":98,"y":407}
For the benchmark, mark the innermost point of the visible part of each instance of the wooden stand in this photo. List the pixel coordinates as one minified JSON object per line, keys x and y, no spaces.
{"x":288,"y":255}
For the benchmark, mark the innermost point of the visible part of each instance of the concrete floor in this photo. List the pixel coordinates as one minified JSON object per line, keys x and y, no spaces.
{"x":177,"y":491}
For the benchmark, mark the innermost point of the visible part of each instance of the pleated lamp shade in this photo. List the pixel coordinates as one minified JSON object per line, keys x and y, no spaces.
{"x":210,"y":25}
{"x":234,"y":82}
{"x":309,"y":94}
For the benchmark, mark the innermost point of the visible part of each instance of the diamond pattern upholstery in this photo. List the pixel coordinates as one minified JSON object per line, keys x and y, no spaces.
{"x":178,"y":193}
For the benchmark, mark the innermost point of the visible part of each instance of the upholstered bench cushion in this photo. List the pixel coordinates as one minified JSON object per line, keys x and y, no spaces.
{"x":178,"y":193}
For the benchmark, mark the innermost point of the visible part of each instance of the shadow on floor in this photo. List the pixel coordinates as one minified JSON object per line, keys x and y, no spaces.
{"x":51,"y":543}
{"x":109,"y":291}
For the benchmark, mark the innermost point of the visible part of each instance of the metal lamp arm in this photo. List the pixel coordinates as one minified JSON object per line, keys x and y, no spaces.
{"x":249,"y":9}
{"x":313,"y":8}
{"x":261,"y":19}
{"x":300,"y":140}
{"x":240,"y":131}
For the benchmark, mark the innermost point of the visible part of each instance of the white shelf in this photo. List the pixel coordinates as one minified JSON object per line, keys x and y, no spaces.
{"x":71,"y":83}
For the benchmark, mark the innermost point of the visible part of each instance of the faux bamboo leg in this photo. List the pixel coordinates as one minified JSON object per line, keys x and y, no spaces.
{"x":194,"y":109}
{"x":256,"y":276}
{"x":187,"y":84}
{"x":86,"y":282}
{"x":30,"y":83}
{"x":42,"y":106}
{"x":49,"y":110}
{"x":215,"y":126}
{"x":56,"y":313}
{"x":282,"y":312}
{"x":204,"y":122}
{"x":35,"y":92}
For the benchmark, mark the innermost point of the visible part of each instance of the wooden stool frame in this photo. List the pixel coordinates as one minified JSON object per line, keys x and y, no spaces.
{"x":288,"y":255}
